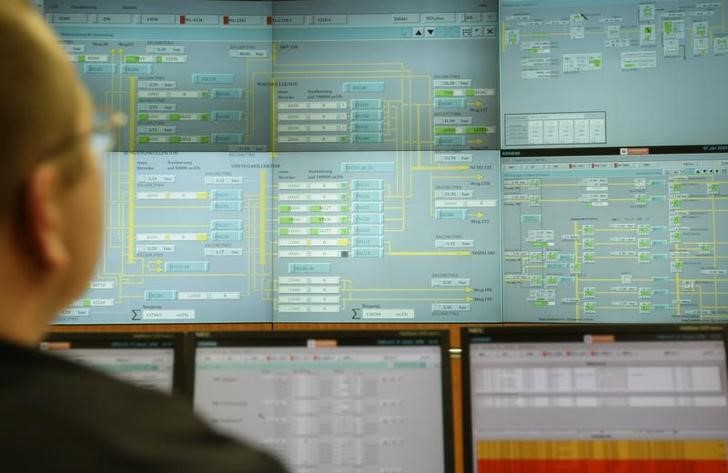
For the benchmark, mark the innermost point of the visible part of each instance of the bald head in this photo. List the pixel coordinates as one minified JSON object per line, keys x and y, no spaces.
{"x":40,"y":94}
{"x":51,"y":195}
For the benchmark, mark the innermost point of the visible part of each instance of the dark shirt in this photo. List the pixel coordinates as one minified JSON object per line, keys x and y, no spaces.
{"x":56,"y":416}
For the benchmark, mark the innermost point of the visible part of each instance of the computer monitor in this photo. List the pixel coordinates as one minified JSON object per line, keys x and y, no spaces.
{"x":190,"y":75}
{"x":181,"y":244}
{"x":615,"y":238}
{"x":595,"y":399}
{"x":385,"y":75}
{"x":592,"y":73}
{"x":330,"y":401}
{"x":383,"y":120}
{"x":343,"y":251}
{"x":150,"y":360}
{"x":326,"y":75}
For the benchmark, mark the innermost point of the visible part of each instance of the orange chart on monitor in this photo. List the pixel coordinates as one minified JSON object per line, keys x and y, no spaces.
{"x":602,"y":456}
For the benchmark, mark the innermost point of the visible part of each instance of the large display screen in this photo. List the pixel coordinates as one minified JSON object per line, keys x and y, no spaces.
{"x":330,"y":402}
{"x":613,"y":73}
{"x":621,"y":239}
{"x":594,"y":400}
{"x":328,"y":161}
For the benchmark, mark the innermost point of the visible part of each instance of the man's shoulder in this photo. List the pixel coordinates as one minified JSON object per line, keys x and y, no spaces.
{"x":55,"y":386}
{"x":73,"y":414}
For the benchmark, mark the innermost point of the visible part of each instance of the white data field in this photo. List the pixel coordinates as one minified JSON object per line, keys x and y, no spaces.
{"x":332,"y":409}
{"x":150,"y":368}
{"x":617,"y":380}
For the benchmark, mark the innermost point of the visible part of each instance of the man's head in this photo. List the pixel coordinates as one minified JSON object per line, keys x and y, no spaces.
{"x":50,"y":186}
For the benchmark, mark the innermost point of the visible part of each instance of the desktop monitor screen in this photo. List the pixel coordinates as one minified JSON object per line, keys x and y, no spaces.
{"x":148,"y":360}
{"x":586,"y":399}
{"x":331,"y":402}
{"x":615,"y":239}
{"x":191,"y":75}
{"x":591,"y":73}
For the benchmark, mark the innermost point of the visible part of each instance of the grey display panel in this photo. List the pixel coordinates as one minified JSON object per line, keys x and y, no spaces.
{"x":385,"y":75}
{"x":622,"y":239}
{"x":245,"y":237}
{"x":186,"y":240}
{"x":258,"y":76}
{"x":368,"y":409}
{"x":387,"y":237}
{"x":191,"y":76}
{"x":613,"y":72}
{"x":151,"y":368}
{"x":625,"y":400}
{"x":688,"y":379}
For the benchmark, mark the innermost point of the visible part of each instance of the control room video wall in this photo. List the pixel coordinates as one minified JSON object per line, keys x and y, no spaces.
{"x":408,"y":161}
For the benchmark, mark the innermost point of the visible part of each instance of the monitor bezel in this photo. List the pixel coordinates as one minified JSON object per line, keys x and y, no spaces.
{"x":259,"y":338}
{"x":552,"y":333}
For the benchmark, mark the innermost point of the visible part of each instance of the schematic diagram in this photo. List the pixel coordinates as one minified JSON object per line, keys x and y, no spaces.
{"x":386,"y":236}
{"x":251,"y":77}
{"x":613,"y":73}
{"x":186,"y":240}
{"x":345,"y":237}
{"x":615,"y":241}
{"x":365,"y":97}
{"x":279,"y":164}
{"x":187,"y":82}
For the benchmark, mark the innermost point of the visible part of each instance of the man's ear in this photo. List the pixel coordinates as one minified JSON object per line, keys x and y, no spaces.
{"x":44,"y":223}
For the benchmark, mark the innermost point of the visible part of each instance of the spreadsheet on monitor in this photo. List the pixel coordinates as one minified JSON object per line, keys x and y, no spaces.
{"x":324,"y":405}
{"x":621,"y":399}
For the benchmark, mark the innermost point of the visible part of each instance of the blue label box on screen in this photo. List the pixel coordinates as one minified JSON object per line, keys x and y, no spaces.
{"x":367,"y":252}
{"x":227,"y":138}
{"x":451,"y":214}
{"x":355,"y":87}
{"x":367,"y":230}
{"x":304,"y":268}
{"x":368,"y":206}
{"x":136,"y":68}
{"x":186,"y":266}
{"x":449,"y":141}
{"x":442,"y":102}
{"x":367,"y":115}
{"x":368,"y":184}
{"x":227,"y":93}
{"x":387,"y":166}
{"x":372,"y":241}
{"x":227,"y":116}
{"x":212,"y":78}
{"x":367,"y":218}
{"x":366,"y":126}
{"x":226,"y":224}
{"x":218,"y":194}
{"x":367,"y":195}
{"x":227,"y":205}
{"x":160,"y":295}
{"x":366,"y":104}
{"x":367,"y":137}
{"x":226,"y":236}
{"x":99,"y":68}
